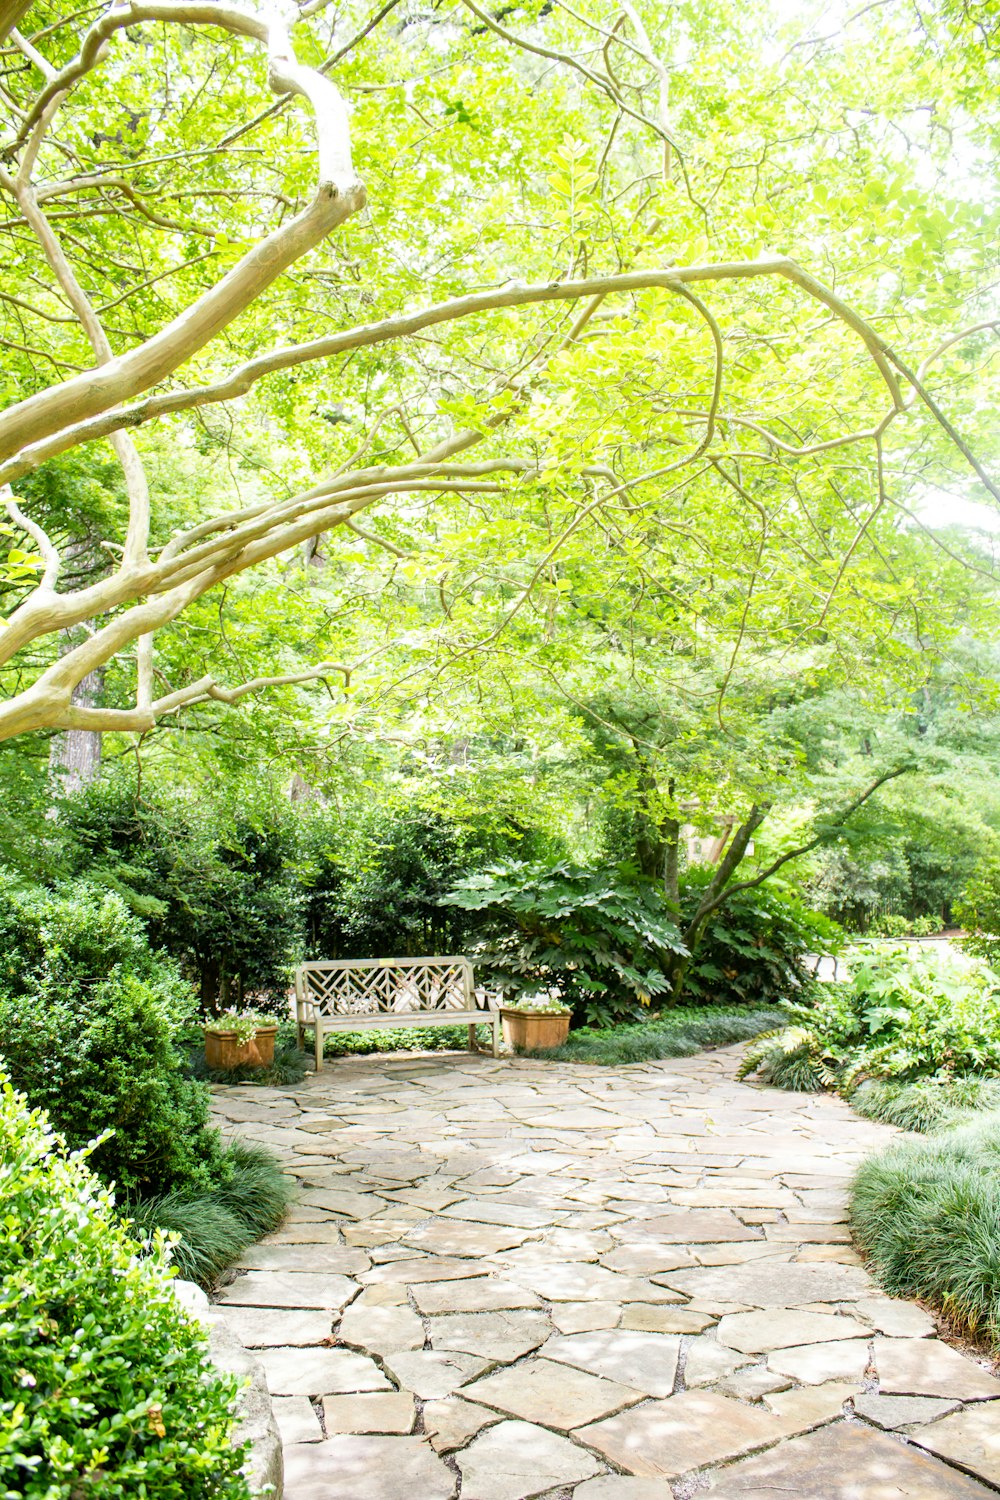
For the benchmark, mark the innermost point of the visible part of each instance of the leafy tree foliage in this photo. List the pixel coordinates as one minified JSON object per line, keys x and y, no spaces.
{"x":211,"y":876}
{"x":752,"y":950}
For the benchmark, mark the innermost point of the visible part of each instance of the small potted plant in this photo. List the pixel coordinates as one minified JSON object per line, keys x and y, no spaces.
{"x":534,"y":1021}
{"x":240,"y":1039}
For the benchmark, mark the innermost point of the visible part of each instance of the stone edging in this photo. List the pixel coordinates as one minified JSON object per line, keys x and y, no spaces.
{"x":254,"y":1414}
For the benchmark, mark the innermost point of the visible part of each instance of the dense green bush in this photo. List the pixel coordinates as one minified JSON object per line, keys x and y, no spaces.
{"x":597,"y":936}
{"x":753,"y":947}
{"x":106,"y":1390}
{"x":675,"y":1033}
{"x":979,"y":913}
{"x":379,"y":894}
{"x":927,"y":1213}
{"x":87,"y":1020}
{"x":905,"y":1014}
{"x":213,"y":878}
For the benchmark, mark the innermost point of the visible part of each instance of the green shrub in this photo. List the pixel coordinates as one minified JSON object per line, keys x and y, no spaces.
{"x":928,"y":1215}
{"x":380,"y":893}
{"x":88,"y":1015}
{"x":904,"y":1014}
{"x":598,"y":937}
{"x":677,"y":1033}
{"x":890,"y":924}
{"x":213,"y":878}
{"x":753,"y":947}
{"x":106,"y":1390}
{"x":401,"y":1039}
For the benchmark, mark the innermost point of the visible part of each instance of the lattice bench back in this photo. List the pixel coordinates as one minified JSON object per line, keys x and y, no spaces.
{"x":358,"y":994}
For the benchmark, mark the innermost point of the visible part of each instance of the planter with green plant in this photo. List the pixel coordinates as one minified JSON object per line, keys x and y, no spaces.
{"x":240,"y":1039}
{"x":535,"y":1021}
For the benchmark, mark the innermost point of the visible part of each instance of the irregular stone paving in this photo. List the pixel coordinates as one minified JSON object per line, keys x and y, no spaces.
{"x":505,"y":1279}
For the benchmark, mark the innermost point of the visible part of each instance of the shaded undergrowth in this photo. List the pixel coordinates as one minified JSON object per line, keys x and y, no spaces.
{"x":217,"y":1225}
{"x":675,"y":1033}
{"x":927,"y":1213}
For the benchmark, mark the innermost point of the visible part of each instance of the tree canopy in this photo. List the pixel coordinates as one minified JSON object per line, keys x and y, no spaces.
{"x":704,"y":296}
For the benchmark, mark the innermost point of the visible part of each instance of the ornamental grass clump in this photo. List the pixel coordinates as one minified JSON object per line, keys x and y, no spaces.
{"x":106,"y":1387}
{"x":927,"y":1213}
{"x":675,"y":1033}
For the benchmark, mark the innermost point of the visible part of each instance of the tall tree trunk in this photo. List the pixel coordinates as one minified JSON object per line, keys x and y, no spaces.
{"x":75,"y":754}
{"x":727,"y":868}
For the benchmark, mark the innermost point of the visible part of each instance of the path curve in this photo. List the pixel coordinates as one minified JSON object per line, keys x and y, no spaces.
{"x":513,"y":1279}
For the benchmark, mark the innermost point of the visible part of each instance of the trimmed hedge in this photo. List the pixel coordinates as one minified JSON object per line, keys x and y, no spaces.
{"x":106,"y":1388}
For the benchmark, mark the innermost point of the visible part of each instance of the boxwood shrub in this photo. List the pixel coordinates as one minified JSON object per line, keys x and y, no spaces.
{"x":88,"y":1019}
{"x":106,"y":1389}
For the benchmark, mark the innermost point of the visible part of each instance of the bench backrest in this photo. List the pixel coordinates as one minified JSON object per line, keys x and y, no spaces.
{"x":385,"y":986}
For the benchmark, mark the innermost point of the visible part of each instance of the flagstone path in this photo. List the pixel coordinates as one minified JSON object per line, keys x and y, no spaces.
{"x":512,"y":1279}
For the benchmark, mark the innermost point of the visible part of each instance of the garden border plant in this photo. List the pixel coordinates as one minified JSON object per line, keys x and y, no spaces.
{"x":106,"y":1386}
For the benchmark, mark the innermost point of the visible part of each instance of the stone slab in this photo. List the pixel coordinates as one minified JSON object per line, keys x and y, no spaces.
{"x":583,"y":1317}
{"x":844,"y":1461}
{"x":578,"y":1281}
{"x":926,"y":1367}
{"x":666,"y":1439}
{"x":380,"y":1411}
{"x":270,"y":1257}
{"x":710,"y":1226}
{"x":459,"y":1237}
{"x":970,"y":1438}
{"x":646,"y":1362}
{"x":561,"y":1396}
{"x":319,"y":1372}
{"x":289,"y":1289}
{"x":381,"y":1329}
{"x":481,"y":1294}
{"x":348,"y":1467}
{"x":653,"y":1317}
{"x":517,"y":1460}
{"x":759,"y":1285}
{"x":451,"y":1422}
{"x":781,"y":1328}
{"x":897,"y":1412}
{"x":841,"y":1359}
{"x":501,"y":1336}
{"x":707,"y":1361}
{"x":895,"y":1318}
{"x":417,"y":1272}
{"x":297,"y":1420}
{"x":623,"y":1487}
{"x":431,"y":1374}
{"x":256,"y":1327}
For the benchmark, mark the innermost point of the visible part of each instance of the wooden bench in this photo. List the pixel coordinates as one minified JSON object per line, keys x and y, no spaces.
{"x":364,"y":994}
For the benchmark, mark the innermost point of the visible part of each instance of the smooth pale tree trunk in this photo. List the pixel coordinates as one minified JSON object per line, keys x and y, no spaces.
{"x":75,"y":755}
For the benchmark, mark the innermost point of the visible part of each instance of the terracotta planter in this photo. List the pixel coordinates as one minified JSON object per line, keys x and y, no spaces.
{"x":222,"y":1050}
{"x":526,"y":1031}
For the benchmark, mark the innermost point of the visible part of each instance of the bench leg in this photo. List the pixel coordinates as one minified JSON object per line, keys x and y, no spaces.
{"x":319,"y":1045}
{"x":496,"y":1036}
{"x":473,"y":1044}
{"x":300,"y":1036}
